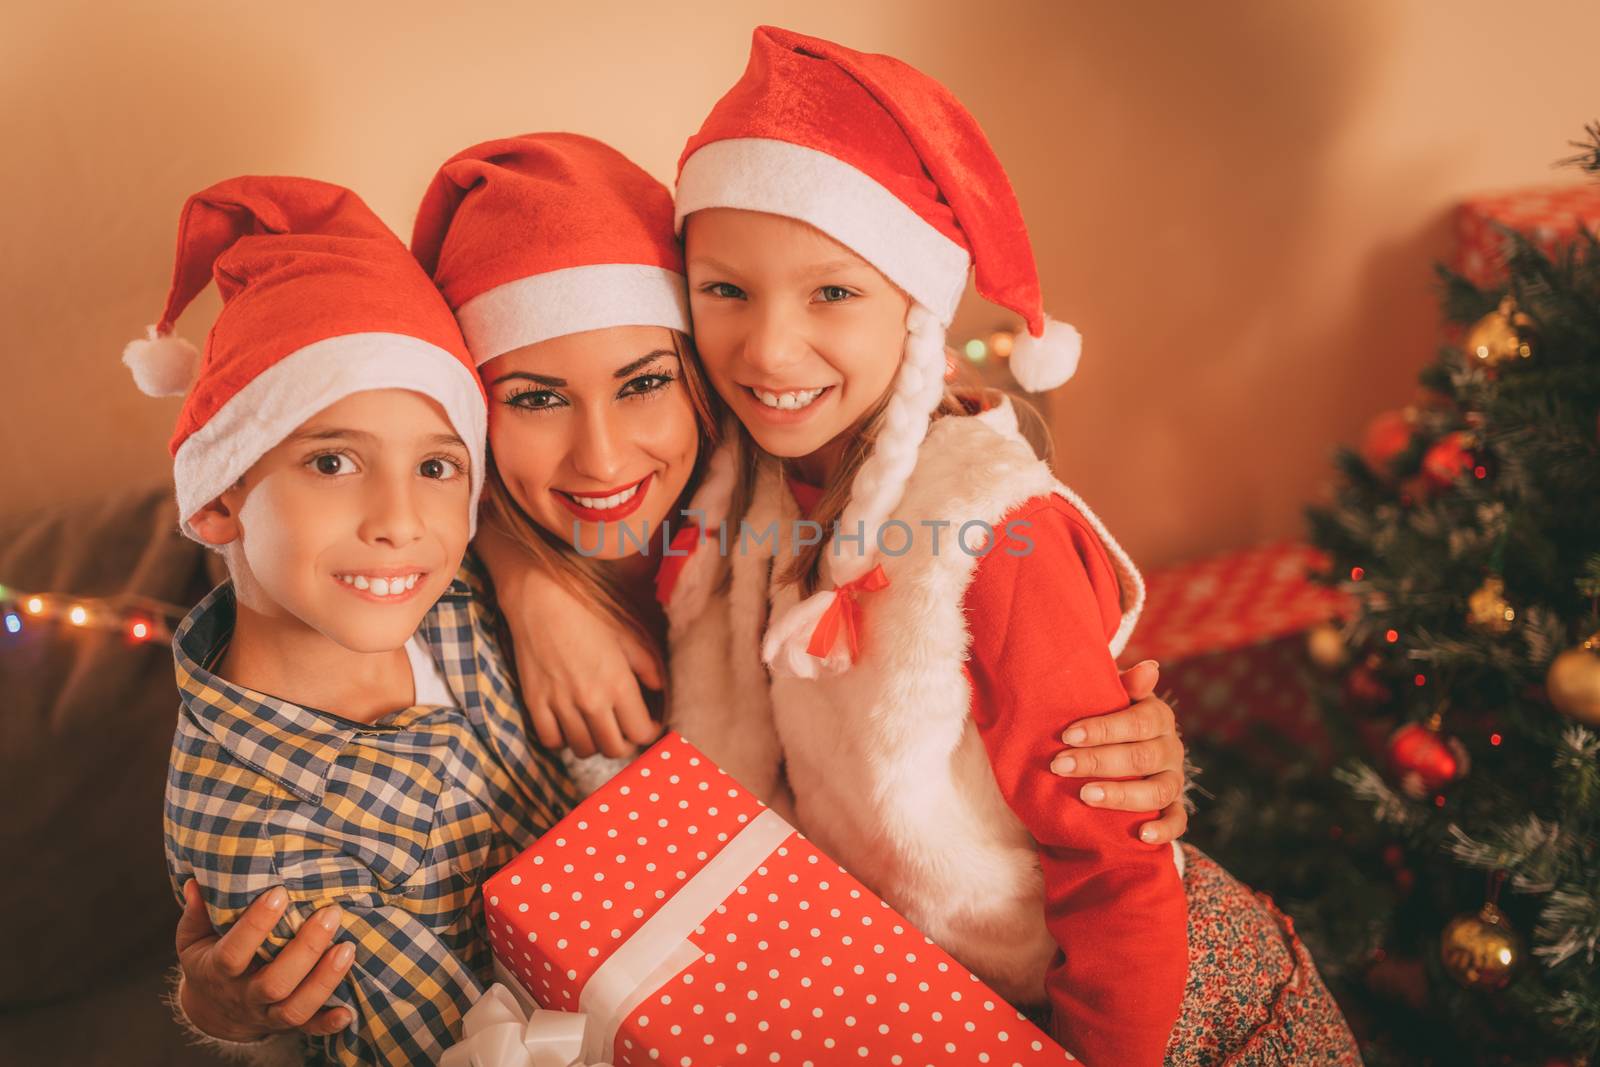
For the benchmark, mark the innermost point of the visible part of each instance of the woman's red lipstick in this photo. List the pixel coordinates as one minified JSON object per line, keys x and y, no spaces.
{"x":621,"y":511}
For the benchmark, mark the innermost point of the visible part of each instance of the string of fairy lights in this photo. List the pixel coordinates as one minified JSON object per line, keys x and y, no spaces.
{"x":139,"y":619}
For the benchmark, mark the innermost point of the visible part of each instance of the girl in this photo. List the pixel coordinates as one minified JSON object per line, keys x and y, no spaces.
{"x":559,"y":258}
{"x":832,"y":205}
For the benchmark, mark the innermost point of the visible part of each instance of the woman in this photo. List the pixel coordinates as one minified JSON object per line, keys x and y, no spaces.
{"x":560,"y":261}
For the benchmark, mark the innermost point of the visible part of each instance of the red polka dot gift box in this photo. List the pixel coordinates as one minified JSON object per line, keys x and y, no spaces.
{"x":1549,"y":217}
{"x":692,"y":926}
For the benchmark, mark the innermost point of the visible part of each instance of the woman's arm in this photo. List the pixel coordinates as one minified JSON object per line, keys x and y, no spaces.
{"x":1141,"y":739}
{"x":580,"y":676}
{"x":227,"y":993}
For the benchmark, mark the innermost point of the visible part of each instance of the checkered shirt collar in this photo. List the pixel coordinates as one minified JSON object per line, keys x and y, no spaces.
{"x":252,"y":725}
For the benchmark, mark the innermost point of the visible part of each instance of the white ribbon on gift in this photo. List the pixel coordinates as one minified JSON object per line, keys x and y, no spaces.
{"x":499,"y":1035}
{"x":496,"y":1033}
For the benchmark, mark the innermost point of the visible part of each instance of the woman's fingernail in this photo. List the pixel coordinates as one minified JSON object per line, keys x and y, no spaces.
{"x":344,"y":954}
{"x":1152,"y":663}
{"x":329,"y":917}
{"x":341,"y":1019}
{"x":1148,"y":834}
{"x":1093,"y":794}
{"x":1063,"y":765}
{"x":275,"y":897}
{"x":1075,"y":736}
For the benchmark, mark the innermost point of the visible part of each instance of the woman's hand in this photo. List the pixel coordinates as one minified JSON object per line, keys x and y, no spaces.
{"x":228,"y":993}
{"x":580,"y":674}
{"x":1141,"y":739}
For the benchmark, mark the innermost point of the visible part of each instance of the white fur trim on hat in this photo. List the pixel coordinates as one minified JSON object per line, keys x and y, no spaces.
{"x":162,"y":365}
{"x":1042,"y":363}
{"x":779,"y":178}
{"x":279,"y":399}
{"x":573,"y":300}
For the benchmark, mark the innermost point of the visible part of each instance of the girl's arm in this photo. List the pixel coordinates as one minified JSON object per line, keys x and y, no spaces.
{"x":1040,"y":662}
{"x":580,"y":676}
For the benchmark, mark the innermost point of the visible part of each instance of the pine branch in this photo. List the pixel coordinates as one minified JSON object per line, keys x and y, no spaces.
{"x":1588,"y":155}
{"x":1368,"y":785}
{"x":1531,"y":850}
{"x":1569,"y":925}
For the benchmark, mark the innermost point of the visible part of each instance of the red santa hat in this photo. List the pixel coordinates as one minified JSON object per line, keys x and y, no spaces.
{"x":887,"y":162}
{"x":320,"y":300}
{"x":549,"y":234}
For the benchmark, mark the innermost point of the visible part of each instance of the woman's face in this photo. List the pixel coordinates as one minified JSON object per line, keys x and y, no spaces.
{"x":800,"y":335}
{"x":594,"y":434}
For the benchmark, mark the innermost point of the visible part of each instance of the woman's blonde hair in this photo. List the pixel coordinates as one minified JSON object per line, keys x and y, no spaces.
{"x":589,"y":578}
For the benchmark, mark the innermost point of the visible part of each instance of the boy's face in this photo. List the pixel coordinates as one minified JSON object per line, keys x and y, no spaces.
{"x":355,"y":524}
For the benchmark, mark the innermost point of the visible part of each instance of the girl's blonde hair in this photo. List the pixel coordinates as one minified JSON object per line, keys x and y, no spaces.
{"x":964,"y":394}
{"x":588,"y":578}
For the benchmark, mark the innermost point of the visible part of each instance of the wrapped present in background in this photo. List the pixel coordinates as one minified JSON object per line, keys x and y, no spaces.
{"x":692,"y":925}
{"x":1548,"y":217}
{"x":1230,"y":634}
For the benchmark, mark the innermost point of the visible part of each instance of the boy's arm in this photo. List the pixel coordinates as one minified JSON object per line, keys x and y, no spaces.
{"x":405,"y":989}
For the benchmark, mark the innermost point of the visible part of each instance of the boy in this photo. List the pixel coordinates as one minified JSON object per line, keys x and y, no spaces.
{"x":348,"y":731}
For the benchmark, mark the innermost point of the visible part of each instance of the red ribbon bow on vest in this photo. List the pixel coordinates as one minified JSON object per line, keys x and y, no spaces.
{"x":845,"y":611}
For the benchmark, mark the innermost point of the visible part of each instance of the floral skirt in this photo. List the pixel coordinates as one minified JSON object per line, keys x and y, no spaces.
{"x":1253,"y":997}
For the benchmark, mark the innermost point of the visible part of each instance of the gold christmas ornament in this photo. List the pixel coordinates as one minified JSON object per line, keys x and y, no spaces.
{"x":1573,"y":683}
{"x":1488,"y":609}
{"x":1326,"y":646}
{"x":1501,"y":335}
{"x":1481,"y":951}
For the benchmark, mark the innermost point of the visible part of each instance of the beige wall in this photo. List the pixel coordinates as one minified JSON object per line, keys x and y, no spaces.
{"x":1236,"y":202}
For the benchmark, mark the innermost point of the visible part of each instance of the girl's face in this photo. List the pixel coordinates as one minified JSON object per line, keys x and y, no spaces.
{"x":800,"y":335}
{"x":594,"y":434}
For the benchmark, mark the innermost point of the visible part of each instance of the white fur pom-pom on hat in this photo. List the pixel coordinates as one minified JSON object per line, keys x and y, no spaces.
{"x":1041,"y":363}
{"x":162,"y":365}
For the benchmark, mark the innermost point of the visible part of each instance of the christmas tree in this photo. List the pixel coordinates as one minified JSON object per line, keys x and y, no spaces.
{"x":1443,"y":862}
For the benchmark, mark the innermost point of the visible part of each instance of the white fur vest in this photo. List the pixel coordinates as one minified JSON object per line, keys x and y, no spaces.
{"x":886,"y":768}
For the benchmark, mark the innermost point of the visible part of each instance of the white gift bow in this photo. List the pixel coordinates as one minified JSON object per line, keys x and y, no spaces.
{"x":496,"y":1033}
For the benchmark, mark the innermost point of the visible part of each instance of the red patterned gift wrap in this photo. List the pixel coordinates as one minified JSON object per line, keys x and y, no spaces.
{"x":1229,"y":633}
{"x":1549,"y":217}
{"x":694,"y":927}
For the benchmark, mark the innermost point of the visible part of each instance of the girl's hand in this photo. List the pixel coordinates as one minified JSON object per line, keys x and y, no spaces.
{"x":1141,"y":739}
{"x":228,"y":993}
{"x":580,"y":674}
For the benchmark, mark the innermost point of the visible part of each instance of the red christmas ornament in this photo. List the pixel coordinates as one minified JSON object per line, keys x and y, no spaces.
{"x":1424,"y":760}
{"x":1446,"y":460}
{"x":1385,"y":438}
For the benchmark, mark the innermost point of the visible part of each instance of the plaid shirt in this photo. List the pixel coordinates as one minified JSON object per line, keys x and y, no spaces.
{"x":398,"y":821}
